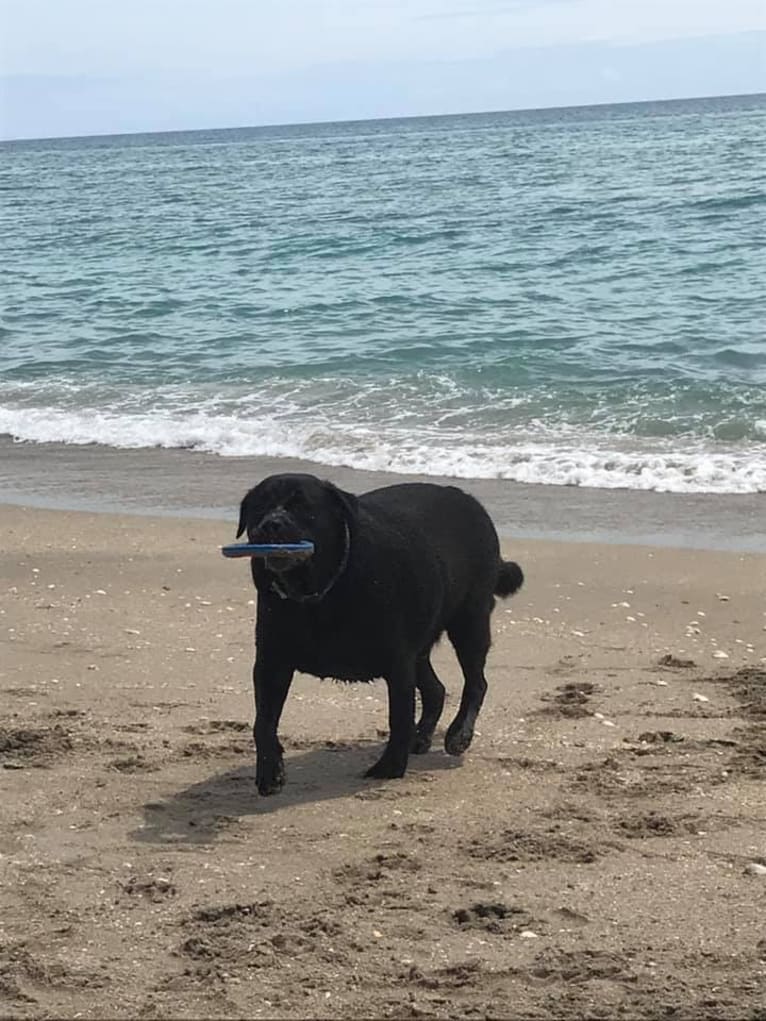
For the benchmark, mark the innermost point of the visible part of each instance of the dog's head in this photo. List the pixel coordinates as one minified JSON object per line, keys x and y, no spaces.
{"x":292,"y":508}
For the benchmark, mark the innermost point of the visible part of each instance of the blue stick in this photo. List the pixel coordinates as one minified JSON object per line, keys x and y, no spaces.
{"x":299,"y":550}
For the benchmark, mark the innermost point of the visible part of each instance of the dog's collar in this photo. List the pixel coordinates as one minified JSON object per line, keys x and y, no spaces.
{"x":315,"y":597}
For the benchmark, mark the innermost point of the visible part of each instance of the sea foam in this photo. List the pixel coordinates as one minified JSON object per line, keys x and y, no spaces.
{"x":595,"y":460}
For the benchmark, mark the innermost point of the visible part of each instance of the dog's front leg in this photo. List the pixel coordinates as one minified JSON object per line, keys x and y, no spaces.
{"x":271,"y":683}
{"x":401,"y":724}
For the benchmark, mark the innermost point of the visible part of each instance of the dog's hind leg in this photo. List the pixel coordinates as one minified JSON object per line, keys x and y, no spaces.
{"x":432,"y":697}
{"x":401,"y":724}
{"x":470,"y":635}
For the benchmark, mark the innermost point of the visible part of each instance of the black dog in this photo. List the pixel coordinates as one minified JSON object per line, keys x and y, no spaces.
{"x":392,"y":570}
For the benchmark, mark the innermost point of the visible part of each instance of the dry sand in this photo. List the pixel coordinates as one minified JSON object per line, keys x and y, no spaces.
{"x":592,"y":856}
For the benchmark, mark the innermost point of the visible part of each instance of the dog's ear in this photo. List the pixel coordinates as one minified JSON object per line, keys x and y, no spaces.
{"x":347,"y":501}
{"x":242,"y":517}
{"x":246,"y":510}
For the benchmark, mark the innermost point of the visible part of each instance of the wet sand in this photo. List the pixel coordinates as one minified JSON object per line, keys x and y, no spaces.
{"x":185,"y":483}
{"x":597,"y":853}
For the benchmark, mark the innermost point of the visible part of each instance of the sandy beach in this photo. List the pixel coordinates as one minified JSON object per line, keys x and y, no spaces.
{"x":598,"y":853}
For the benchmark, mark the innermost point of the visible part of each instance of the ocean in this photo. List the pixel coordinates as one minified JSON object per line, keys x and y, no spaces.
{"x":564,"y":297}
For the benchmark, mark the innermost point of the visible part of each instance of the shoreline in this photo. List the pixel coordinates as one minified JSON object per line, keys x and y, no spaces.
{"x":181,"y":483}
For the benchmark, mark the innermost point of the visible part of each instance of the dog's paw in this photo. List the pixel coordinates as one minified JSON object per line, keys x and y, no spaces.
{"x":386,"y":769}
{"x":421,"y":743}
{"x":270,"y":779}
{"x":458,"y":740}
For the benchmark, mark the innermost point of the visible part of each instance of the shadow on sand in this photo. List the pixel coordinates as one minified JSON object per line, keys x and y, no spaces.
{"x":202,"y":812}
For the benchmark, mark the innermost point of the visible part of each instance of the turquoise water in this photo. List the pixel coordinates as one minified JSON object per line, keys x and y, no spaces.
{"x":566,"y":297}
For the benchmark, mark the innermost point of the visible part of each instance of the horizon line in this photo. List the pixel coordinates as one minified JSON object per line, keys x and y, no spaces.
{"x":391,"y":117}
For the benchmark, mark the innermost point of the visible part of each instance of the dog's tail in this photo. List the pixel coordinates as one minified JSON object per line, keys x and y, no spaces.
{"x":510,"y":578}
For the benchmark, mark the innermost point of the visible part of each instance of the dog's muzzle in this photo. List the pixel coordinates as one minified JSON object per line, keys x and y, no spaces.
{"x":277,"y":526}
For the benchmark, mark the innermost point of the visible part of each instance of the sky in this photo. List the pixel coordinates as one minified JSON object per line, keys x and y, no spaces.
{"x":79,"y":67}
